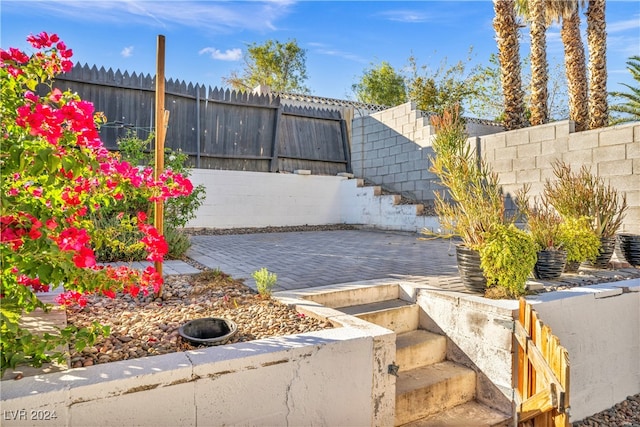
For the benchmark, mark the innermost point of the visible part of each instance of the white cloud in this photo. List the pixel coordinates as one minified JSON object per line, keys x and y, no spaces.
{"x":409,"y":16}
{"x":127,"y":52}
{"x":213,"y":16}
{"x":227,"y":55}
{"x":619,"y":26}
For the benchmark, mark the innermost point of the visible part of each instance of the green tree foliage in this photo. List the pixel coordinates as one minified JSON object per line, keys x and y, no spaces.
{"x":281,"y":66}
{"x":442,"y":89}
{"x":630,"y":108}
{"x":381,"y":84}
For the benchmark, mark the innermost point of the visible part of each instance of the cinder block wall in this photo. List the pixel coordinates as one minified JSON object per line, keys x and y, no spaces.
{"x":391,"y":149}
{"x":525,"y":156}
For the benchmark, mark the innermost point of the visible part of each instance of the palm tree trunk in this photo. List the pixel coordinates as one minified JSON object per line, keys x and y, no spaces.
{"x":506,"y":28}
{"x":574,"y":62}
{"x":539,"y":68}
{"x":597,"y":42}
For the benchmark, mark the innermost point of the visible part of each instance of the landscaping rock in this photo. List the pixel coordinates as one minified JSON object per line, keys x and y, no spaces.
{"x":146,"y":326}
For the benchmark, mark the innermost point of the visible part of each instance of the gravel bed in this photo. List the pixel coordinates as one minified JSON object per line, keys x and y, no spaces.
{"x":147,"y":326}
{"x":625,"y":413}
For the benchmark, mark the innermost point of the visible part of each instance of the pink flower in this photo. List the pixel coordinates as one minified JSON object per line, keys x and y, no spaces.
{"x":84,"y":258}
{"x":70,"y":298}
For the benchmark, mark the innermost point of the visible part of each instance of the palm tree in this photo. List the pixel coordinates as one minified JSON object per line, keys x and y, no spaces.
{"x":597,"y":42}
{"x":632,"y":105}
{"x":534,"y":12}
{"x":506,"y":28}
{"x":574,"y":59}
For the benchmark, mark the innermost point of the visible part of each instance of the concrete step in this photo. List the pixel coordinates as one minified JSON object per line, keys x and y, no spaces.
{"x":468,"y":414}
{"x":398,"y":315}
{"x":419,"y":348}
{"x":431,"y":389}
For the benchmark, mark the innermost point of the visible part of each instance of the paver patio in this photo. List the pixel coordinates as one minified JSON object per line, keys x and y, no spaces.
{"x":318,"y":258}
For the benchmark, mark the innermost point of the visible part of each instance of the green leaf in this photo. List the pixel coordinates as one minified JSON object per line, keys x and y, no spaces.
{"x":38,"y":166}
{"x":44,"y":273}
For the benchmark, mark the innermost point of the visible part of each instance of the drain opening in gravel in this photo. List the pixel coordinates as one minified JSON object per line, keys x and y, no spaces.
{"x":148,"y":326}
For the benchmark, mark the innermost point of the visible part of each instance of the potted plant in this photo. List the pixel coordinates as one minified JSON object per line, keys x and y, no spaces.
{"x":544,"y":225}
{"x":581,"y":194}
{"x":580,"y":241}
{"x":499,"y":254}
{"x":630,"y":247}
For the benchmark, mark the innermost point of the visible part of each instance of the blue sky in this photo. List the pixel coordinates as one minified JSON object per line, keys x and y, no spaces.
{"x":205,"y":40}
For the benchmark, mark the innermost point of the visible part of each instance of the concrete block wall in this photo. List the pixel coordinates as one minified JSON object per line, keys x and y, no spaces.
{"x":391,"y":148}
{"x":237,"y":199}
{"x":525,"y":156}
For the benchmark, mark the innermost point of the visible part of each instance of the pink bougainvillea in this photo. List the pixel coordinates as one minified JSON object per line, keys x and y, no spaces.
{"x":55,"y":173}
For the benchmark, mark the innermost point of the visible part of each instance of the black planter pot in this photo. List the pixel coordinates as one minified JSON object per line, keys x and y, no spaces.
{"x":550,"y":264}
{"x":607,"y":247}
{"x":470,"y":271}
{"x":208,"y":331}
{"x":630,"y":248}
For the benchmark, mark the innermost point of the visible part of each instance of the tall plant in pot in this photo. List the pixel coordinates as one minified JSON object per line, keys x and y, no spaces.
{"x":472,"y":208}
{"x":543,"y":223}
{"x":581,"y":194}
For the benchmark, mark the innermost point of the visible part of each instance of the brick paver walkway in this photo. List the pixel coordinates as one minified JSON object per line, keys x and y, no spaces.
{"x":318,"y":258}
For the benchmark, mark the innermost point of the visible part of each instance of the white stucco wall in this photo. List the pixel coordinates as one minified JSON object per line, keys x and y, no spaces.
{"x":331,"y":377}
{"x":600,"y":327}
{"x":237,"y":199}
{"x":259,"y":199}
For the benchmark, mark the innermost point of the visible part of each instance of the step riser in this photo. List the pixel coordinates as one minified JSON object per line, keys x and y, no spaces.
{"x":421,"y":354}
{"x":435,"y":398}
{"x":399,"y":320}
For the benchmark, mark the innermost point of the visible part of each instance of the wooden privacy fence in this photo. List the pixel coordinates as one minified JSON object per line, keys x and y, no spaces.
{"x":218,"y":129}
{"x":542,"y":380}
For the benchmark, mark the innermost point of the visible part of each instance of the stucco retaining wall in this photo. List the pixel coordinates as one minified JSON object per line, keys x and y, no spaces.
{"x":236,"y":199}
{"x":599,"y":325}
{"x":331,"y":377}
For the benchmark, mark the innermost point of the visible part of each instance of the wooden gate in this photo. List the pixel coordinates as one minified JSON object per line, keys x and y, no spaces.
{"x":542,"y":366}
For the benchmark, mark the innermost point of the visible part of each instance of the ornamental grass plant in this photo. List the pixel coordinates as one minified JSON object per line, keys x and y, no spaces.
{"x":581,"y":194}
{"x":472,"y":208}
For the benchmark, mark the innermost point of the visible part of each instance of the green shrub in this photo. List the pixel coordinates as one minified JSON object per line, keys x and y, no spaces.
{"x":265,"y":281}
{"x":177,"y":241}
{"x":120,"y":240}
{"x":579,"y":239}
{"x":507,"y":258}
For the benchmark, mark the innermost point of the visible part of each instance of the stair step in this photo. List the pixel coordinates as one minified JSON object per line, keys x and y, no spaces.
{"x":398,"y":315}
{"x":467,"y":414}
{"x":419,"y":348}
{"x":427,"y":390}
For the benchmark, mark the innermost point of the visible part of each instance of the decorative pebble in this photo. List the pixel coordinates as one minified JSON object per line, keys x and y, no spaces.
{"x":147,"y":326}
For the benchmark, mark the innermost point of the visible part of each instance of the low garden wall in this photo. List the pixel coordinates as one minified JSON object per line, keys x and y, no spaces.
{"x":236,"y":199}
{"x":599,"y":325}
{"x":331,"y":377}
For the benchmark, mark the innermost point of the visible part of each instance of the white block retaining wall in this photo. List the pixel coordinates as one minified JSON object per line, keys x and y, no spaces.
{"x":599,"y":325}
{"x":237,"y":199}
{"x":331,"y":377}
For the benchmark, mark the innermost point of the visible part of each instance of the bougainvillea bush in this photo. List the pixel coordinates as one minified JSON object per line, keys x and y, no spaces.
{"x":55,"y":173}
